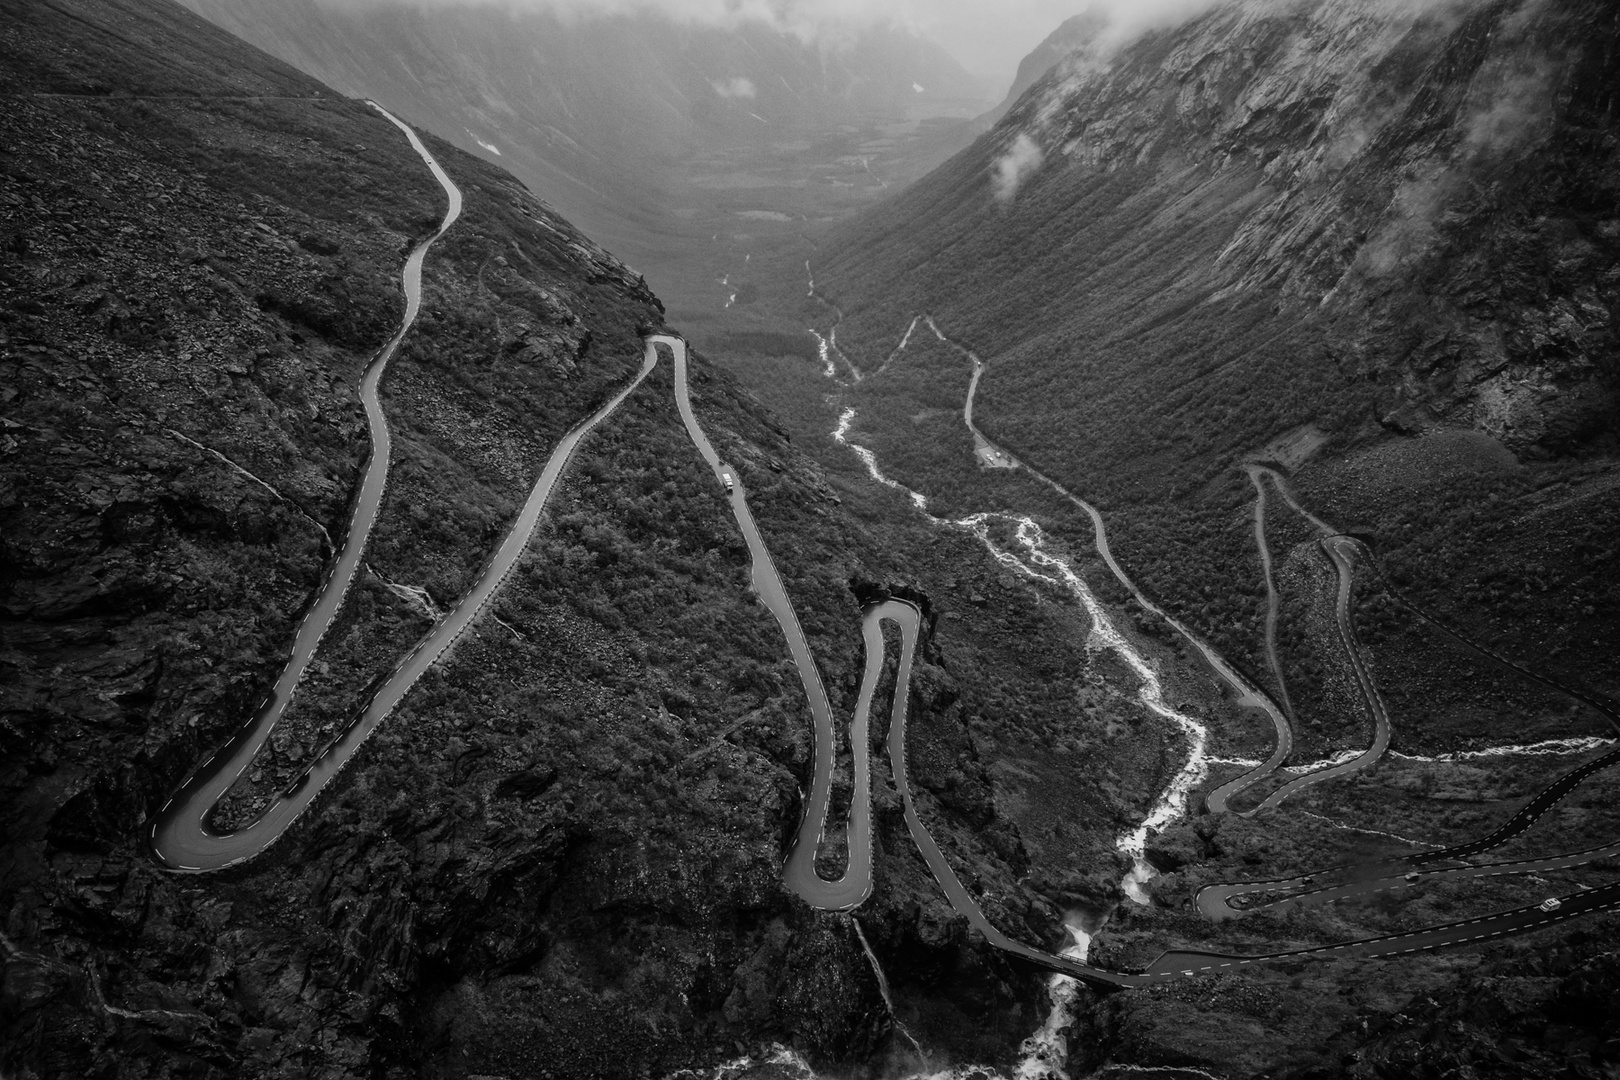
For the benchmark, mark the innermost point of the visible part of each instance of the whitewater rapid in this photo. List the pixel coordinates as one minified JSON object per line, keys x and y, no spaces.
{"x":1105,"y":636}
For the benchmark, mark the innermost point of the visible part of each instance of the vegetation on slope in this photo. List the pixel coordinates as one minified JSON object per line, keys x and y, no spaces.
{"x":1151,"y":307}
{"x":581,"y":816}
{"x":1375,"y":249}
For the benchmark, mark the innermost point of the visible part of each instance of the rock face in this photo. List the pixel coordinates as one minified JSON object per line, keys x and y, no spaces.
{"x":561,"y":856}
{"x":1358,"y":152}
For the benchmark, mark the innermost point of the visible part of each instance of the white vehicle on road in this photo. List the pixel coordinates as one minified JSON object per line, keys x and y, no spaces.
{"x":727,"y":479}
{"x":1552,"y":903}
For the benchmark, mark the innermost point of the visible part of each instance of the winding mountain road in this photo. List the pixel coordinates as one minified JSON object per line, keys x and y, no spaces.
{"x":1342,"y":549}
{"x":1246,"y":694}
{"x":1180,"y":963}
{"x":1273,"y":597}
{"x":183,"y":840}
{"x":1220,"y":901}
{"x":180,"y":835}
{"x":1215,"y":901}
{"x":800,"y":872}
{"x":1463,"y":932}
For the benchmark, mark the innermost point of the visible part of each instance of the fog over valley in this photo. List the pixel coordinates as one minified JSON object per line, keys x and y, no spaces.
{"x":988,"y":39}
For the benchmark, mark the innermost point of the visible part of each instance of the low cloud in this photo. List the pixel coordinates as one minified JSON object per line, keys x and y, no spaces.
{"x":1127,"y":20}
{"x":989,"y":39}
{"x":1014,"y":166}
{"x":1513,"y":100}
{"x":809,"y":19}
{"x":1408,"y":230}
{"x":1522,"y":108}
{"x":1117,"y":24}
{"x":737,"y":87}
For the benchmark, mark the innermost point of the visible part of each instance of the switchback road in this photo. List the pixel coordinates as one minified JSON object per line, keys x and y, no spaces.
{"x":183,"y":840}
{"x":181,"y":837}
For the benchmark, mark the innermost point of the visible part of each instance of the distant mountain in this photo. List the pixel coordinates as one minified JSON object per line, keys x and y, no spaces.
{"x":606,"y":118}
{"x":1073,"y":34}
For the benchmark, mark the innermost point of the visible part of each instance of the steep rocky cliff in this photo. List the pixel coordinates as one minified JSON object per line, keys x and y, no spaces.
{"x":1073,"y":35}
{"x":1464,"y":152}
{"x":1349,"y":154}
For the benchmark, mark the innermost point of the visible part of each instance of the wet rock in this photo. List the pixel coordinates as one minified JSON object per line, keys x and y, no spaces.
{"x":32,"y":994}
{"x":1177,"y":846}
{"x":759,"y":981}
{"x":1096,"y":890}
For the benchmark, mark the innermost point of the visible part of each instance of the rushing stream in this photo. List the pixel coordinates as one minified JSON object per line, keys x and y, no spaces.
{"x":1248,"y":696}
{"x":1033,"y":559}
{"x":1036,"y":562}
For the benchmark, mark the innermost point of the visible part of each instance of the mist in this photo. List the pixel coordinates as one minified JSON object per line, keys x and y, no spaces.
{"x":987,"y":37}
{"x":1022,"y":158}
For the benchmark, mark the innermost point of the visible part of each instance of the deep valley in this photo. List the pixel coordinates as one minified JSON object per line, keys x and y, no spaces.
{"x":1159,"y":531}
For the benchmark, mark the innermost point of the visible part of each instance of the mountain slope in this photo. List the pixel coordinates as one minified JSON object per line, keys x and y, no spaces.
{"x":1340,"y":223}
{"x":584,"y":805}
{"x":562,"y":854}
{"x":1375,"y":248}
